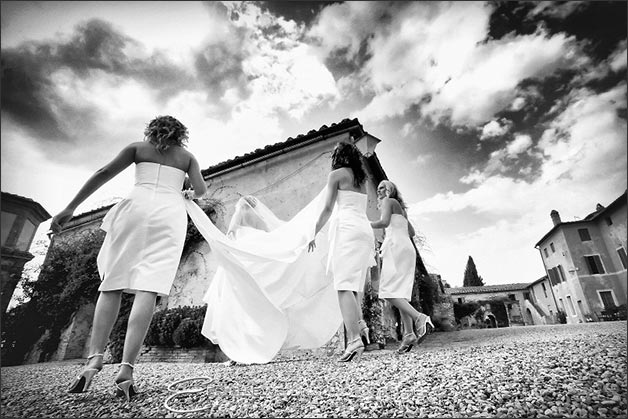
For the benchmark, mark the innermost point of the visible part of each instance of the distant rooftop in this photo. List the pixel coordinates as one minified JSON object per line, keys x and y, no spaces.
{"x":599,"y":211}
{"x":488,"y":288}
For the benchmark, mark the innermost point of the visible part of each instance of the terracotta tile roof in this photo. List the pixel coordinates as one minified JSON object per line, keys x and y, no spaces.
{"x":353,"y":125}
{"x":488,"y":288}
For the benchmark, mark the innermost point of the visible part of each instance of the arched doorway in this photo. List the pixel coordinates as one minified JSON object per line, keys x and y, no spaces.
{"x":529,"y":319}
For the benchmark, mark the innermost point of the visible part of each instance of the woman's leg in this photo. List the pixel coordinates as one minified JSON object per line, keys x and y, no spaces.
{"x":407,"y":312}
{"x":139,"y":320}
{"x":350,"y":313}
{"x":105,"y":315}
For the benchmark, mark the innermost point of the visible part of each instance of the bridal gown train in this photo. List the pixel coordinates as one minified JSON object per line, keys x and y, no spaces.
{"x":268,"y":292}
{"x":398,"y":260}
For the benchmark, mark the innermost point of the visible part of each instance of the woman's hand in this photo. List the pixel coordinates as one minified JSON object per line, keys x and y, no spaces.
{"x":59,"y":220}
{"x":188,"y":194}
{"x":311,"y":246}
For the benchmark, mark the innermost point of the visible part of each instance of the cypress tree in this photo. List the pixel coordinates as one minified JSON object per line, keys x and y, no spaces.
{"x":471,"y":277}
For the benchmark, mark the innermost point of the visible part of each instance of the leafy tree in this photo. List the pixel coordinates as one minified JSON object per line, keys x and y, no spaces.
{"x":471,"y":277}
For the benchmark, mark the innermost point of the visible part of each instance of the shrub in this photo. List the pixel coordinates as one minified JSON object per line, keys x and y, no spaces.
{"x":177,"y":326}
{"x":372,"y":314}
{"x":561,"y":316}
{"x":188,"y":333}
{"x":68,"y":279}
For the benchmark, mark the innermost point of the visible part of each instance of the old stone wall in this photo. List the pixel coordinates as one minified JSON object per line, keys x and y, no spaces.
{"x":190,"y":355}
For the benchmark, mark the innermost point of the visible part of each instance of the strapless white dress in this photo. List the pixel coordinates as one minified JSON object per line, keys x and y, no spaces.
{"x":145,"y":233}
{"x":351,"y":250}
{"x":398,"y":260}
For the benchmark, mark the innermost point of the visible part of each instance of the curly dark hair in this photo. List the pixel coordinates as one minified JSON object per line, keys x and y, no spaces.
{"x":347,"y":155}
{"x":165,"y":131}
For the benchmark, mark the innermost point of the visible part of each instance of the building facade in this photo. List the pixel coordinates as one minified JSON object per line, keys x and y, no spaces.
{"x":585,"y":261}
{"x":20,"y":219}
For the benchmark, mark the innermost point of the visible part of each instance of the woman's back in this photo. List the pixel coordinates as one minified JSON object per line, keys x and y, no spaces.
{"x":346,"y":181}
{"x":174,"y":156}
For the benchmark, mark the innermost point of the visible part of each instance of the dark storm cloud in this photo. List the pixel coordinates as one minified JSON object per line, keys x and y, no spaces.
{"x":28,"y":93}
{"x":600,"y":24}
{"x":299,"y":11}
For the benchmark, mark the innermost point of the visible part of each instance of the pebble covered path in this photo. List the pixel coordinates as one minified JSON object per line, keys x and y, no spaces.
{"x":534,"y":371}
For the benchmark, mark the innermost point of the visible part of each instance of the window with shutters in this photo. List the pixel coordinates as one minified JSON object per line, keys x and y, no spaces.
{"x":562,"y":273}
{"x":584,"y":234}
{"x":622,"y":256}
{"x":608,"y":299}
{"x":594,"y":263}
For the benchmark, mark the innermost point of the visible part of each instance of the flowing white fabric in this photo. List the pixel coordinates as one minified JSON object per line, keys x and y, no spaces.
{"x":268,"y":292}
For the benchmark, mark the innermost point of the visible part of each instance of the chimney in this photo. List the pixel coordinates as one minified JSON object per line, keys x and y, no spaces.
{"x":599,"y":207}
{"x":555,"y":217}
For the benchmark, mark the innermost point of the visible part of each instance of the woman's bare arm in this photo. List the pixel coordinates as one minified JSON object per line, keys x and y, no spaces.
{"x":196,"y":178}
{"x":333,"y":180}
{"x":99,"y":178}
{"x":384,"y":220}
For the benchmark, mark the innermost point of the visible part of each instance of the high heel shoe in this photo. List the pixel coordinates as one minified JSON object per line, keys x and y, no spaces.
{"x":364,"y":332}
{"x":409,"y":340}
{"x":355,"y":348}
{"x":84,"y":379}
{"x":126,"y":388}
{"x":425,"y":329}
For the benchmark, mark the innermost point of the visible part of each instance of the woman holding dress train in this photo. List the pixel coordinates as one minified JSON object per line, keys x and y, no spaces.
{"x":144,"y":240}
{"x":351,"y":249}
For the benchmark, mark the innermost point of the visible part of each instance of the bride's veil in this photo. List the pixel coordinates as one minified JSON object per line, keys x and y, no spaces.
{"x":251,"y":213}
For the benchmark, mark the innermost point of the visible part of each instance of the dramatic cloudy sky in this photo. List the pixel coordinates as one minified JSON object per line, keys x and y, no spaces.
{"x":490,"y":114}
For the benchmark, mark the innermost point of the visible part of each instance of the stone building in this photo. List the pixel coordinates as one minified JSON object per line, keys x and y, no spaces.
{"x":521,"y":304}
{"x":20,"y":219}
{"x":285,"y":176}
{"x":585,"y":261}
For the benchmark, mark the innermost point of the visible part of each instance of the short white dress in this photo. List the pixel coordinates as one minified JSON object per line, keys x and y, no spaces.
{"x":145,"y":233}
{"x":398,"y":260}
{"x":351,"y":242}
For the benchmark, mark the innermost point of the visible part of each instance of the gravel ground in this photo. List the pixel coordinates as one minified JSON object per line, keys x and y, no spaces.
{"x":534,"y":371}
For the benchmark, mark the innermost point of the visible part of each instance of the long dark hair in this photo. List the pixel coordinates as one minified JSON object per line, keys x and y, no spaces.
{"x":165,"y":131}
{"x":347,"y":155}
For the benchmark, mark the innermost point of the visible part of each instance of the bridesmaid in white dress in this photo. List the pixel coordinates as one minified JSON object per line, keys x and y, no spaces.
{"x":144,"y":241}
{"x":398,"y":264}
{"x":351,"y":249}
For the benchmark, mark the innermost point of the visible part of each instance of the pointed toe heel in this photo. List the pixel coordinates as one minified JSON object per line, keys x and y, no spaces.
{"x":426,"y":327}
{"x":82,"y":381}
{"x":354,"y":350}
{"x":126,"y":389}
{"x":364,"y":333}
{"x":408,"y":341}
